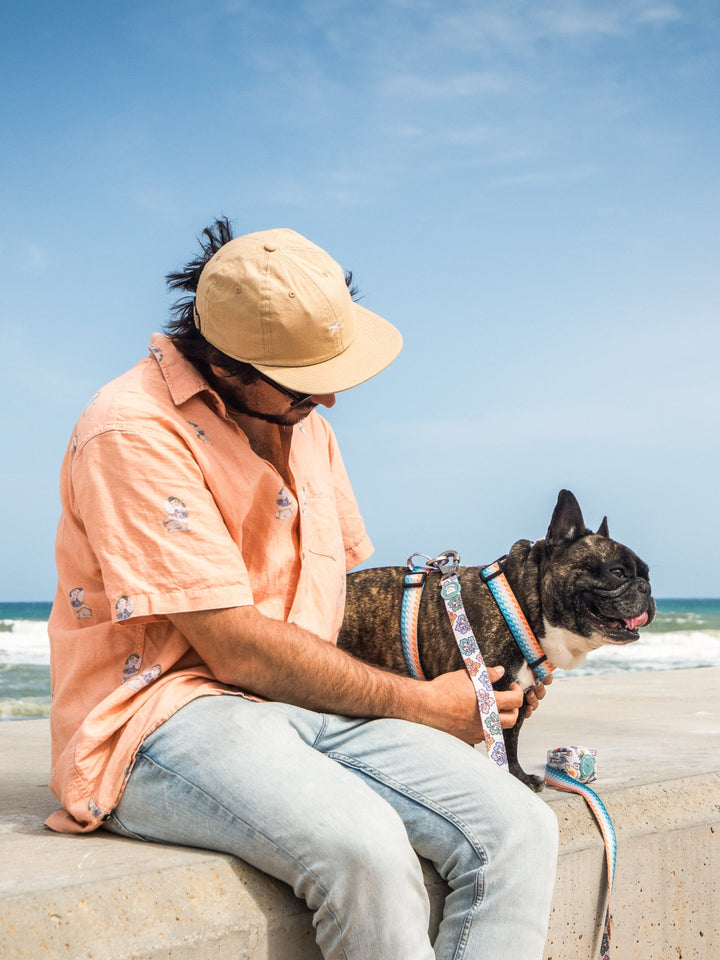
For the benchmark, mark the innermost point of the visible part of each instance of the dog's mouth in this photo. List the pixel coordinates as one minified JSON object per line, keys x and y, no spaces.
{"x":621,"y":630}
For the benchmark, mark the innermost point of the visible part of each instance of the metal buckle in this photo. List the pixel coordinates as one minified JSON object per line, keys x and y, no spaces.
{"x":446,"y":563}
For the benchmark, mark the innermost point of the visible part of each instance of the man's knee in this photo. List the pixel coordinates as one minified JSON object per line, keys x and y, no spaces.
{"x":544,"y":828}
{"x":370,"y":860}
{"x":532,"y":822}
{"x":378,"y":841}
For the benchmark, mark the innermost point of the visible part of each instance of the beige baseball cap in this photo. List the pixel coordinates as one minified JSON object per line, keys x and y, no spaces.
{"x":279,"y":302}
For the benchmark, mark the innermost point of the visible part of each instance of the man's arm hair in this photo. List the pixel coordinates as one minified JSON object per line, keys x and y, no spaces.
{"x":283,"y":662}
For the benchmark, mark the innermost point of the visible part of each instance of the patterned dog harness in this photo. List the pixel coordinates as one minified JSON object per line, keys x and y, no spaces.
{"x":447,"y":564}
{"x":568,"y":768}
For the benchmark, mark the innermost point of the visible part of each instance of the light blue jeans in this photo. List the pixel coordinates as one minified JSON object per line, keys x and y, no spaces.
{"x":338,"y":808}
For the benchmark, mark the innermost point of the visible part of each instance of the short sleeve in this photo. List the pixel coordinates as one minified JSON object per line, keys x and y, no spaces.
{"x":157,"y":533}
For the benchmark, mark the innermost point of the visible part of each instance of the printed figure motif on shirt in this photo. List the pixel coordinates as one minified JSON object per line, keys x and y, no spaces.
{"x":95,"y":809}
{"x":284,"y":505}
{"x":124,"y":608}
{"x":77,"y":602}
{"x":140,"y":680}
{"x":177,"y":519}
{"x":200,"y":433}
{"x":132,"y":665}
{"x":157,"y":353}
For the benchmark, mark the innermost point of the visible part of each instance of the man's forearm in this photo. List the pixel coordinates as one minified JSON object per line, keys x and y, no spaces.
{"x":281,"y":661}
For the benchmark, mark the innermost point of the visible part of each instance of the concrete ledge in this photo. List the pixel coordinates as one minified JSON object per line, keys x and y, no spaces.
{"x":658,"y":736}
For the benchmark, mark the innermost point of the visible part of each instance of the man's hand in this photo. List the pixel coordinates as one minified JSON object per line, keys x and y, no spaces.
{"x":534,"y":695}
{"x":461,"y":717}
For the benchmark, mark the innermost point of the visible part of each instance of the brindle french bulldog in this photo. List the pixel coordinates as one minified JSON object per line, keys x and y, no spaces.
{"x":578,"y":590}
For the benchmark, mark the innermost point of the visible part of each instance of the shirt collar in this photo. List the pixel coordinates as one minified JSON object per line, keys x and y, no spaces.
{"x":182,"y":379}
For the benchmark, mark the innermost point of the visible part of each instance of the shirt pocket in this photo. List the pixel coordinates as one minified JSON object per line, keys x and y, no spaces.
{"x":322,"y":533}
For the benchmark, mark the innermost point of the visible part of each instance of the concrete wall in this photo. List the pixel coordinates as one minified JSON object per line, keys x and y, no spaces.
{"x":106,"y":898}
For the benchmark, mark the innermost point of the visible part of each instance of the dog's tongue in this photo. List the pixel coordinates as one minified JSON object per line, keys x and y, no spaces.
{"x":634,"y":622}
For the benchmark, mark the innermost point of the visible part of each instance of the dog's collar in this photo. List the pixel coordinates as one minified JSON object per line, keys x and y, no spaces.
{"x":517,"y":623}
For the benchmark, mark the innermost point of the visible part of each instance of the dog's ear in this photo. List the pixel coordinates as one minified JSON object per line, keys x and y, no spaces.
{"x":567,"y":522}
{"x":603,"y":528}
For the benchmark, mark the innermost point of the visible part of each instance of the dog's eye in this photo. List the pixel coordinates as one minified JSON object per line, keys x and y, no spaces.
{"x":620,"y":572}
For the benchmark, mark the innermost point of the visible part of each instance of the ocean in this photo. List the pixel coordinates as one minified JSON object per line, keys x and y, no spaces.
{"x":685,"y":633}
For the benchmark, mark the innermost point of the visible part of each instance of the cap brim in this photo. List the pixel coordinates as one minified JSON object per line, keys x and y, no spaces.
{"x":375,"y":346}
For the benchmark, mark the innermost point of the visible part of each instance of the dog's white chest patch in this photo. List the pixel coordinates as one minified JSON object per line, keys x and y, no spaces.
{"x":565,"y":649}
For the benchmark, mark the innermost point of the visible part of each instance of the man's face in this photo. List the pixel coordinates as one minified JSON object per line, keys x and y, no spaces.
{"x":267,"y":401}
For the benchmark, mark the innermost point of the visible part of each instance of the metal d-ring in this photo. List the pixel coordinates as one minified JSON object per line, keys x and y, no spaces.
{"x":446,"y":563}
{"x":411,"y":561}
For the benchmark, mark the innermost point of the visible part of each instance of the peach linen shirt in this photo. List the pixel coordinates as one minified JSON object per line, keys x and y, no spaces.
{"x":167,"y":509}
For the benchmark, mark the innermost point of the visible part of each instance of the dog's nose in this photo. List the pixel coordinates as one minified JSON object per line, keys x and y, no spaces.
{"x":643,"y":586}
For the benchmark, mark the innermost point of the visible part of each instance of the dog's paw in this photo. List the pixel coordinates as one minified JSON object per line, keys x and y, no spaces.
{"x":536,"y":784}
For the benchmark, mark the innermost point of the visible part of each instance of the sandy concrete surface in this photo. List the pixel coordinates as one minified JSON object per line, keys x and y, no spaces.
{"x":658,"y":737}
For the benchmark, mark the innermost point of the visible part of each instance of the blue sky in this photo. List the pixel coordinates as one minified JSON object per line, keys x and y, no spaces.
{"x":529,"y":190}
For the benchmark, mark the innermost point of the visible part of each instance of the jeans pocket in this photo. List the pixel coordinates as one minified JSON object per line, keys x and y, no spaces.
{"x":114,"y":825}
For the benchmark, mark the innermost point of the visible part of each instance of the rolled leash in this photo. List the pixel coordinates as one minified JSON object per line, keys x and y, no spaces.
{"x":572,"y":768}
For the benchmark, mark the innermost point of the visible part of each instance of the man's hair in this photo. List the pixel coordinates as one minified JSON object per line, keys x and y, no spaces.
{"x":181,"y":327}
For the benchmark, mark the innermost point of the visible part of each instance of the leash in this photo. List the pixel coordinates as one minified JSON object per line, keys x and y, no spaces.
{"x":572,"y":768}
{"x":567,"y":768}
{"x":447,"y":565}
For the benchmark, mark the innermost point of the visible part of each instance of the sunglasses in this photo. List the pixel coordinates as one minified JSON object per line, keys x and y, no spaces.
{"x":297,"y":398}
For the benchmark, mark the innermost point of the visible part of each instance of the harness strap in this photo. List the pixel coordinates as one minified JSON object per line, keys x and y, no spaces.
{"x":517,"y":622}
{"x":572,"y":768}
{"x":413,"y":583}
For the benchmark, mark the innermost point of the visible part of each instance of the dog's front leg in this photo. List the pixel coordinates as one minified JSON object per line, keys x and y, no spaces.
{"x":511,"y":748}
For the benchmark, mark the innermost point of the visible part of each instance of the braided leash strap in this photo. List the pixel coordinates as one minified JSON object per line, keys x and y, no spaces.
{"x":572,"y":768}
{"x":475,"y":666}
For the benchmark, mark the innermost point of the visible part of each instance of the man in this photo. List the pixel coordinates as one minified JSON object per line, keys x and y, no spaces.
{"x":200,"y":698}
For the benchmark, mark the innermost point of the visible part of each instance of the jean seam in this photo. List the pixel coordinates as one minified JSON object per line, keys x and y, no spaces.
{"x":234,"y":817}
{"x":420,"y":798}
{"x":440,"y":810}
{"x":129,"y":834}
{"x":464,"y":936}
{"x":321,"y":732}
